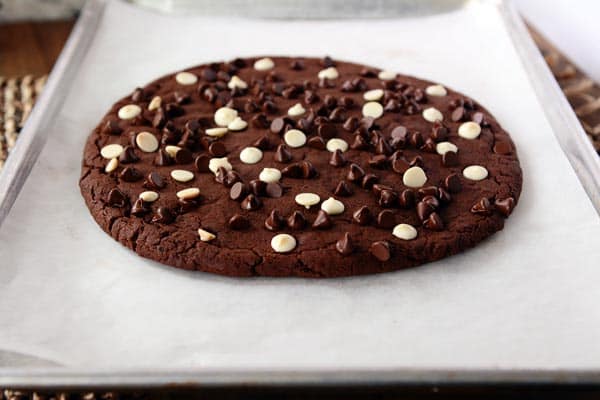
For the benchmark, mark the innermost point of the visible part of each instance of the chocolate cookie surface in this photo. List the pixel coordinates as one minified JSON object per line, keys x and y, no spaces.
{"x":298,"y":167}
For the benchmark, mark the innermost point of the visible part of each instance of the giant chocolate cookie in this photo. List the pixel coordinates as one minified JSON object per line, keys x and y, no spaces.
{"x":298,"y":166}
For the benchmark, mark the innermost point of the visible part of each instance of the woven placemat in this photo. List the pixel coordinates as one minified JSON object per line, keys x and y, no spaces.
{"x":17,"y":96}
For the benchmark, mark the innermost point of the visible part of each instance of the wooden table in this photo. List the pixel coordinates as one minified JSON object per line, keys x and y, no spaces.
{"x":32,"y":48}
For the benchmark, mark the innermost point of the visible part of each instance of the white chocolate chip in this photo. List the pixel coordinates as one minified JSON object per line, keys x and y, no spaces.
{"x":475,"y":172}
{"x":270,"y":175}
{"x":216,"y":132}
{"x":469,"y":130}
{"x":111,"y":165}
{"x":251,"y":155}
{"x":236,"y":82}
{"x":155,"y":103}
{"x":283,"y":243}
{"x":172,"y":150}
{"x":386,"y":75}
{"x":372,"y":109}
{"x":149,"y":196}
{"x":188,"y":194}
{"x":224,"y":116}
{"x":405,"y":232}
{"x":432,"y":114}
{"x":146,"y":142}
{"x":205,"y":235}
{"x":414,"y":177}
{"x":332,"y":206}
{"x":436,"y":90}
{"x":336,"y":144}
{"x":186,"y":78}
{"x":238,"y":124}
{"x":329,"y":73}
{"x":307,"y":199}
{"x":294,"y":138}
{"x":111,"y":151}
{"x":443,"y":147}
{"x":263,"y":64}
{"x":373,"y":95}
{"x":181,"y":175}
{"x":296,"y":110}
{"x":215,"y":163}
{"x":129,"y":111}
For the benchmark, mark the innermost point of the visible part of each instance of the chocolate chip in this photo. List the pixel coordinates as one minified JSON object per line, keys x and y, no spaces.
{"x":327,"y":131}
{"x":379,"y":161}
{"x":430,"y":146}
{"x":164,"y":215}
{"x":310,"y":97}
{"x":397,"y":155}
{"x":355,"y":174}
{"x":386,"y":219}
{"x":183,"y":156}
{"x":388,"y":198}
{"x":184,"y":206}
{"x":439,"y":132}
{"x":359,"y":143}
{"x":116,"y":198}
{"x":308,"y":170}
{"x":416,"y":139}
{"x":282,"y":154}
{"x":154,"y":181}
{"x":274,"y":190}
{"x":328,"y":62}
{"x":444,"y":196}
{"x":217,"y":149}
{"x":112,"y":128}
{"x":258,"y":187}
{"x":296,"y":220}
{"x":277,"y":125}
{"x":424,"y":209}
{"x":338,"y":114}
{"x":450,"y":159}
{"x":378,"y":188}
{"x":259,"y":121}
{"x":380,"y":250}
{"x":238,"y":191}
{"x":416,"y":161}
{"x":221,"y":175}
{"x":269,"y":107}
{"x":369,"y":180}
{"x":316,"y":142}
{"x":162,"y":158}
{"x":262,"y":143}
{"x":130,"y":174}
{"x":452,"y":183}
{"x":231,"y":177}
{"x":181,"y":97}
{"x":292,"y":171}
{"x":297,"y":65}
{"x":344,"y":245}
{"x":174,"y":110}
{"x":337,"y":159}
{"x":362,"y":216}
{"x":343,"y":189}
{"x":434,"y":222}
{"x":139,"y":208}
{"x":274,"y":221}
{"x":505,"y":206}
{"x":251,"y":202}
{"x":428,"y":191}
{"x":406,"y":198}
{"x":323,"y":221}
{"x":483,"y":207}
{"x":502,"y":148}
{"x":128,"y":156}
{"x":209,"y":75}
{"x":431,"y":201}
{"x":238,"y":222}
{"x":383,"y":147}
{"x":202,"y":162}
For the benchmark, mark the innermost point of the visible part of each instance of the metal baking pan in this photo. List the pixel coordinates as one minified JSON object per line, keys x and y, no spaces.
{"x":18,"y":370}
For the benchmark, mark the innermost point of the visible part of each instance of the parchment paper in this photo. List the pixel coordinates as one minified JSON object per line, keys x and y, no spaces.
{"x":526,"y":298}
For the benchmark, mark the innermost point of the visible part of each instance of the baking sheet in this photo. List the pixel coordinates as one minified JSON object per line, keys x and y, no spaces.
{"x":525,"y":299}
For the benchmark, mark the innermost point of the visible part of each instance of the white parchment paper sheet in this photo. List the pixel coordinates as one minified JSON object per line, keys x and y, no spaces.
{"x":526,"y":298}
